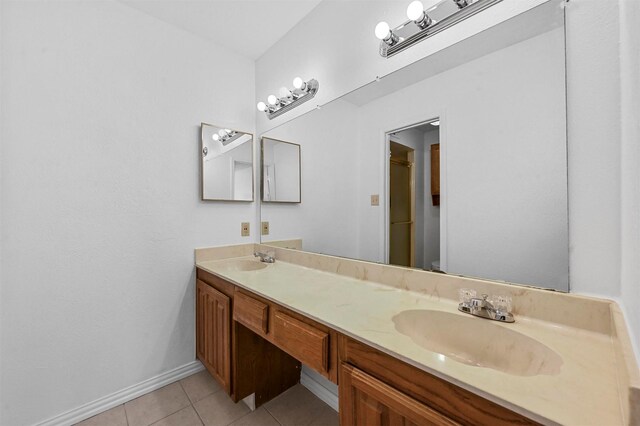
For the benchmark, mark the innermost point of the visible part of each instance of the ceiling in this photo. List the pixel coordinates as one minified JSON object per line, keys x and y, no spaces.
{"x":247,"y":27}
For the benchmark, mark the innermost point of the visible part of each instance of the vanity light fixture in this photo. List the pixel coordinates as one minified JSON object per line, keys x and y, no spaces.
{"x":289,"y":98}
{"x":225,"y":136}
{"x":423,"y":23}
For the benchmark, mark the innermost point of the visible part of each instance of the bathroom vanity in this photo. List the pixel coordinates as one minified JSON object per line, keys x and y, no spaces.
{"x":393,"y":341}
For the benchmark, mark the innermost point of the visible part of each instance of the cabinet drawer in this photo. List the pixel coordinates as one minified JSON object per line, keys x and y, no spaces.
{"x":251,"y":313}
{"x":303,"y":341}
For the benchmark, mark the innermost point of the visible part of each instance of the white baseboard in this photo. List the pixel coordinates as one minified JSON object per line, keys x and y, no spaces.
{"x":120,"y":397}
{"x":316,"y":388}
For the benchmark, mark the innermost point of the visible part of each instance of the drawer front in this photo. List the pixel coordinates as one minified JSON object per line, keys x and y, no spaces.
{"x":303,"y":341}
{"x":251,"y":313}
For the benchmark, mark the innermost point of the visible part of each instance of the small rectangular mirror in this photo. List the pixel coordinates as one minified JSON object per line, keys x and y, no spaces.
{"x":227,"y":164}
{"x":280,"y":171}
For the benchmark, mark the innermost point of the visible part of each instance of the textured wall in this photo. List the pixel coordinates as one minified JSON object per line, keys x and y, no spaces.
{"x":100,"y":197}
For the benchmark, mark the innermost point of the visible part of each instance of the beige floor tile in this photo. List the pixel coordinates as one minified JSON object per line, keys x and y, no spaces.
{"x":199,"y":385}
{"x":296,"y":407}
{"x":326,"y":417}
{"x":218,"y":409}
{"x":260,"y":417}
{"x":114,"y":417}
{"x":185,"y":417}
{"x":156,"y":405}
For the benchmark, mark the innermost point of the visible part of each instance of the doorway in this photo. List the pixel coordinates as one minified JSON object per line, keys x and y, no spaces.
{"x":401,"y":205}
{"x":414,"y":196}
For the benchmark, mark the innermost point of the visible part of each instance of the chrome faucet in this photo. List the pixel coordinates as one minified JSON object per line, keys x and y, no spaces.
{"x":264,"y":257}
{"x":481,"y":307}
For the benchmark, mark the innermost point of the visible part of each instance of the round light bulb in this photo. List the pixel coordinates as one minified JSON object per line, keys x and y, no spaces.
{"x":382,"y":30}
{"x":272,"y":100}
{"x":415,"y":10}
{"x":222,"y":133}
{"x":298,"y":83}
{"x":215,"y":137}
{"x":262,"y":106}
{"x":284,"y":92}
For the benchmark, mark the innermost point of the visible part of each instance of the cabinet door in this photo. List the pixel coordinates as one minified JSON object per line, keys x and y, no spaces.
{"x":213,"y":330}
{"x":365,"y":400}
{"x":435,"y":174}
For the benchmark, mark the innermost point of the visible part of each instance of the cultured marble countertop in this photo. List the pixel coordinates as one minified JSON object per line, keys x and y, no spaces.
{"x":586,"y":391}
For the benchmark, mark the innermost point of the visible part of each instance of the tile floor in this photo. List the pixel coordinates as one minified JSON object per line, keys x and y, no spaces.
{"x":199,"y":400}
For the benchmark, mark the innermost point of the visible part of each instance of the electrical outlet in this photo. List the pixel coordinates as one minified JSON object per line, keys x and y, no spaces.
{"x":375,"y":200}
{"x":244,"y":229}
{"x":265,"y":228}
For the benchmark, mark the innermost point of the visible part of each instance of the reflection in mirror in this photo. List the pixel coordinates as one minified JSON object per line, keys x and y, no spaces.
{"x":493,"y":206}
{"x":227,"y":164}
{"x":280,"y":171}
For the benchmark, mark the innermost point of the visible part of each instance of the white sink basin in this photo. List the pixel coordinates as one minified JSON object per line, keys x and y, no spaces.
{"x":243,"y":265}
{"x":478,"y":342}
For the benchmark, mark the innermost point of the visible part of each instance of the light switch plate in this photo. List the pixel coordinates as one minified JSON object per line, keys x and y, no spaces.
{"x":244,"y":229}
{"x":375,"y":200}
{"x":265,"y":228}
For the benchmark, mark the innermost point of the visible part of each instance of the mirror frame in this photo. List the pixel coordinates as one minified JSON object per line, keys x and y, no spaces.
{"x":253,"y":167}
{"x":262,"y":200}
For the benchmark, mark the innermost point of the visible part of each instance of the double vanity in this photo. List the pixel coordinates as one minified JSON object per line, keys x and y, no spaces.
{"x":394,"y":342}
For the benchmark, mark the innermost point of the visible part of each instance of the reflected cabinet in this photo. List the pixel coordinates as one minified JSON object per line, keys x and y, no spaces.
{"x":227,"y":164}
{"x":281,"y":179}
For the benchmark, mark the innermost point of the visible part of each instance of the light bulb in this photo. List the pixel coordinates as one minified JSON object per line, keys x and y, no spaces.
{"x":284,"y":92}
{"x":435,"y":123}
{"x":382,"y":30}
{"x":298,"y":83}
{"x":262,"y":106}
{"x":415,"y":10}
{"x":272,"y":100}
{"x":222,"y":133}
{"x":215,"y":137}
{"x":228,"y":131}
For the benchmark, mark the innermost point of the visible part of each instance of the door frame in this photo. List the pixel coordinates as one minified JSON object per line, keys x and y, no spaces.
{"x":386,"y":135}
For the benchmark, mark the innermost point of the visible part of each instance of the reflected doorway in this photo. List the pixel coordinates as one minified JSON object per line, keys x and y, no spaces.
{"x":414,"y":196}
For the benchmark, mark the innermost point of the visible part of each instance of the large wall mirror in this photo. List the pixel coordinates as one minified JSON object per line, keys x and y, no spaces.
{"x":227,"y":164}
{"x":456,"y":163}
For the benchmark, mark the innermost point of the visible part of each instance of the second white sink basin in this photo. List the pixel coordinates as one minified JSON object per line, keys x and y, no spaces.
{"x":478,"y":342}
{"x":242,"y":265}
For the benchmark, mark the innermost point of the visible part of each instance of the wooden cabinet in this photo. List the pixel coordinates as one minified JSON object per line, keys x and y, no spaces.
{"x":411,"y":387}
{"x":365,"y":400}
{"x":213,"y":332}
{"x":435,"y":174}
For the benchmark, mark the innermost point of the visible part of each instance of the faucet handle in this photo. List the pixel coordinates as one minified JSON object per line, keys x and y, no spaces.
{"x":465,"y":295}
{"x":501,"y":303}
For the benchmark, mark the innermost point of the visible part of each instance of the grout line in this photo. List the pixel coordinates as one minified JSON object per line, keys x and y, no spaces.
{"x":273,"y":417}
{"x":126,"y":416}
{"x":197,"y":413}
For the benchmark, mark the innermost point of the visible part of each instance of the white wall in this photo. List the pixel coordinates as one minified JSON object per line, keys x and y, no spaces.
{"x":604,"y":205}
{"x":630,"y":158}
{"x":101,"y":107}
